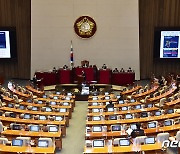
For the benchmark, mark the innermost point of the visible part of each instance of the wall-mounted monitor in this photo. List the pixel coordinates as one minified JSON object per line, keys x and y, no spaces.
{"x":167,"y":43}
{"x":8,"y":43}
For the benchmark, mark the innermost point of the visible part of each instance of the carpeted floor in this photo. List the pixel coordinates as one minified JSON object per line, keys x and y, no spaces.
{"x":74,"y":141}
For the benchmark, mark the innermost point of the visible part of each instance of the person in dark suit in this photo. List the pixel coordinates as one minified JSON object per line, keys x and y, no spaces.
{"x":104,"y":66}
{"x":137,"y":132}
{"x":84,"y":76}
{"x":34,"y":80}
{"x":115,"y":70}
{"x":1,"y":97}
{"x":110,"y":105}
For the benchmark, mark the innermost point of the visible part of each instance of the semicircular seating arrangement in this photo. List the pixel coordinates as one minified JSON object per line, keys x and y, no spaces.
{"x":33,"y":121}
{"x":154,"y":107}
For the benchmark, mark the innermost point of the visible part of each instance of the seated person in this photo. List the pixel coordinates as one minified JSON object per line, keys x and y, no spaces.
{"x":137,"y":132}
{"x":115,"y":70}
{"x":65,"y":67}
{"x":110,"y":105}
{"x":104,"y":66}
{"x":1,"y":97}
{"x":122,"y":70}
{"x":54,"y":69}
{"x":161,"y":82}
{"x":129,"y":70}
{"x":84,"y":75}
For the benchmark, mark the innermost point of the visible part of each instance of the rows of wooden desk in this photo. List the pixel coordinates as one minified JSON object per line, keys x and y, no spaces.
{"x":108,"y":134}
{"x":11,"y":134}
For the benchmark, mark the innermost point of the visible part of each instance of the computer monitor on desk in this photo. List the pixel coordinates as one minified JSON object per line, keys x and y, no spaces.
{"x":43,"y":143}
{"x":63,"y":110}
{"x":95,"y":110}
{"x":59,"y":118}
{"x":42,"y":117}
{"x":121,"y":101}
{"x":27,"y":116}
{"x":35,"y":128}
{"x":128,"y":116}
{"x":55,"y":97}
{"x":96,"y":118}
{"x":124,"y":142}
{"x":110,"y":109}
{"x":158,"y":113}
{"x":115,"y":127}
{"x":152,"y":124}
{"x":17,"y":142}
{"x":138,"y":106}
{"x":40,"y":102}
{"x":97,"y":128}
{"x":98,"y":143}
{"x":52,"y":103}
{"x":149,"y":140}
{"x":53,"y":129}
{"x":168,"y":122}
{"x":124,"y":108}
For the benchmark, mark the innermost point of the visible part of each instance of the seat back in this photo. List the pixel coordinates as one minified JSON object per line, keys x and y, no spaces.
{"x":162,"y":137}
{"x":139,"y":140}
{"x":1,"y":127}
{"x":3,"y":140}
{"x":178,"y":136}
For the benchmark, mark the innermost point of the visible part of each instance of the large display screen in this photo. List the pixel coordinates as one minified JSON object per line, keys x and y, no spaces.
{"x":8,"y":43}
{"x":167,"y":43}
{"x":170,"y":45}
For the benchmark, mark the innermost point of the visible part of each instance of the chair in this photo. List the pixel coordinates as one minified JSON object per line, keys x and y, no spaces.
{"x":162,"y":137}
{"x":177,"y":137}
{"x":50,"y":142}
{"x":145,"y":99}
{"x":1,"y":127}
{"x":139,"y":140}
{"x":7,"y":94}
{"x":3,"y":140}
{"x":29,"y":107}
{"x":130,"y":96}
{"x":26,"y":140}
{"x":29,"y":127}
{"x":161,"y":103}
{"x":85,"y":63}
{"x":141,"y":90}
{"x":17,"y":100}
{"x":116,"y":141}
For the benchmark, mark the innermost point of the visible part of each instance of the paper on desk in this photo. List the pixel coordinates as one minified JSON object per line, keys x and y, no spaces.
{"x":129,"y":131}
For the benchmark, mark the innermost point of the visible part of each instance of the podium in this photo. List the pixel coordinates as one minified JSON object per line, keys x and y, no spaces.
{"x":80,"y":79}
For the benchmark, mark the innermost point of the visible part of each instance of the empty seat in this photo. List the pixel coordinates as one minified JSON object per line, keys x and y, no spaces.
{"x":139,"y":140}
{"x":162,"y":137}
{"x":161,"y":103}
{"x":3,"y":140}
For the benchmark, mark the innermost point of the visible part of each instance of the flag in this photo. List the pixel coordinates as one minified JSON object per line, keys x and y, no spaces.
{"x":71,"y":56}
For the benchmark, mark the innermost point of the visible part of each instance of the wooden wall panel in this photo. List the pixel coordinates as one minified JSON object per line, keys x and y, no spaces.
{"x":17,"y":13}
{"x":156,"y":13}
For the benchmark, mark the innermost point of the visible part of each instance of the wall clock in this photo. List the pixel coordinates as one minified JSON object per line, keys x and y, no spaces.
{"x":85,"y":27}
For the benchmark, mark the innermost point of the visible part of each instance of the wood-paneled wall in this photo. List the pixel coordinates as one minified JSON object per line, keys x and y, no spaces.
{"x":17,"y":13}
{"x":156,"y":13}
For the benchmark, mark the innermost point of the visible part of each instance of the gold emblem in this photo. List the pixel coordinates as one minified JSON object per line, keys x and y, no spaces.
{"x":85,"y":26}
